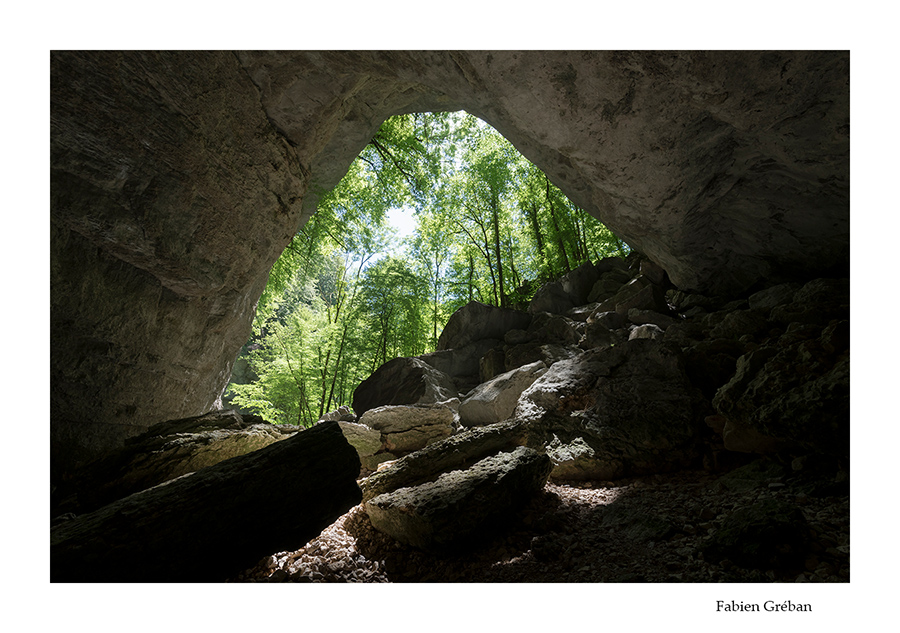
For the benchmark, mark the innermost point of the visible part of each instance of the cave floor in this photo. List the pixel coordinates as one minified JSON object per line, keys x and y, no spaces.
{"x":647,"y":529}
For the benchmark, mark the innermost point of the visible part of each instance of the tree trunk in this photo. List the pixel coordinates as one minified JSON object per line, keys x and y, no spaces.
{"x":211,"y":525}
{"x":495,"y":218}
{"x":559,"y":235}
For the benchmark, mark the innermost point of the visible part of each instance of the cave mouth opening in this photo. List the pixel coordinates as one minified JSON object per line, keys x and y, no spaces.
{"x":482,"y":223}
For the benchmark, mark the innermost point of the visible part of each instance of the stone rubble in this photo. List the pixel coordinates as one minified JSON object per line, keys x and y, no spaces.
{"x":645,"y":529}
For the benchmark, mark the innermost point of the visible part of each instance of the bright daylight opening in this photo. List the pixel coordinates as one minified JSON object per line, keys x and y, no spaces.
{"x":437,"y":211}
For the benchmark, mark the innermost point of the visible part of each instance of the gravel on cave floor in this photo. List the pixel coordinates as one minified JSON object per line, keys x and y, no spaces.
{"x":569,"y":533}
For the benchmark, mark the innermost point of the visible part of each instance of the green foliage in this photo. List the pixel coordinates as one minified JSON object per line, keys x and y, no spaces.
{"x":344,"y":298}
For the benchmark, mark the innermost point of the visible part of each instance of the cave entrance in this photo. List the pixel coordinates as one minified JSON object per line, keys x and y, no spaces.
{"x":350,"y":293}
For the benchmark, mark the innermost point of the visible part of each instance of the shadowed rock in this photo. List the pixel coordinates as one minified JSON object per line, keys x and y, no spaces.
{"x":167,"y":450}
{"x":274,"y":499}
{"x":453,"y":453}
{"x":627,"y":409}
{"x":403,"y":381}
{"x":461,"y":503}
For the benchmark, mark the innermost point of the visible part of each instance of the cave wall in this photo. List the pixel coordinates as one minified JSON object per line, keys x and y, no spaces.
{"x":178,"y":177}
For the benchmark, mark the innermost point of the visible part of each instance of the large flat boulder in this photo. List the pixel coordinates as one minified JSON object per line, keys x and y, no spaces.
{"x":407,"y":428}
{"x":456,"y":452}
{"x":461,"y":503}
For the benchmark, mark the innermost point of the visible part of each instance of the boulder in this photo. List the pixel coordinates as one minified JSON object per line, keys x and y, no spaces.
{"x":580,"y":314}
{"x":549,"y":328}
{"x":654,"y":272}
{"x":612,"y":264}
{"x":462,"y":503}
{"x":631,"y":404}
{"x":625,"y":292}
{"x":649,"y":330}
{"x":527,"y":353}
{"x":604,"y":288}
{"x":403,"y":381}
{"x":650,"y":297}
{"x":476,"y":321}
{"x":462,"y":364}
{"x":166,"y":451}
{"x":366,"y":440}
{"x":342,"y":414}
{"x":563,"y":294}
{"x":818,"y":302}
{"x":495,"y":400}
{"x":493,"y":363}
{"x":642,"y":317}
{"x":575,"y":460}
{"x":798,"y":395}
{"x":596,"y":335}
{"x":609,"y":319}
{"x":407,"y":428}
{"x":738,"y":323}
{"x":552,"y":298}
{"x":274,"y":499}
{"x":765,"y":300}
{"x":453,"y":453}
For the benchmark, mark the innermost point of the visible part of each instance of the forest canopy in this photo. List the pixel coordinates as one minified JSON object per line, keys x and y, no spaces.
{"x":348,"y":295}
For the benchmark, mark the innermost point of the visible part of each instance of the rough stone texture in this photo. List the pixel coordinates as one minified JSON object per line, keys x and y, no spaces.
{"x":166,"y":451}
{"x":527,"y":353}
{"x":641,"y":317}
{"x":548,"y":328}
{"x":596,"y":335}
{"x":772,"y":296}
{"x":273,"y":499}
{"x":631,"y":404}
{"x":341,"y":414}
{"x":495,"y":400}
{"x":462,"y":364}
{"x":794,"y":393}
{"x":178,"y":177}
{"x":366,"y":440}
{"x":477,"y":321}
{"x":563,"y":294}
{"x":649,"y":330}
{"x":461,"y":503}
{"x":403,"y":381}
{"x":408,"y":428}
{"x":453,"y":453}
{"x":171,"y":197}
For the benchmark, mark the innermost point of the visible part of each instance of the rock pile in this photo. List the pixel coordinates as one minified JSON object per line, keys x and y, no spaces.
{"x":612,"y":372}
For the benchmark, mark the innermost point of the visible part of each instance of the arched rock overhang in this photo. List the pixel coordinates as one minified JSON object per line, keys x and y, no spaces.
{"x":178,"y":178}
